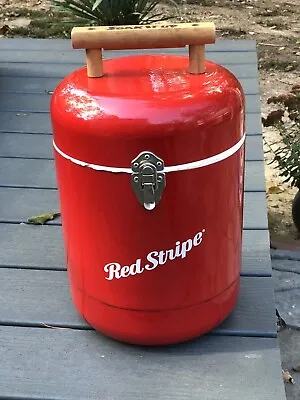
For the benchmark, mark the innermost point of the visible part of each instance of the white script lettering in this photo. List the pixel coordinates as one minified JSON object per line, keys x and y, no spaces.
{"x":115,"y":270}
{"x":154,"y":258}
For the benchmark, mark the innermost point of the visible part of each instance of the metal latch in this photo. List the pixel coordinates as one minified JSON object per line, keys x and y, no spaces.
{"x":147,"y":179}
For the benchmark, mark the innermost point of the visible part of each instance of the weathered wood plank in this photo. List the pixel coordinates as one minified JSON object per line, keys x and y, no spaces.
{"x":61,"y":70}
{"x":78,"y":56}
{"x":256,"y":253}
{"x":255,"y":211}
{"x":28,"y":246}
{"x":45,"y":85}
{"x":254,"y":176}
{"x":52,"y":364}
{"x":16,"y":205}
{"x":32,"y":102}
{"x":16,"y":172}
{"x":254,"y":148}
{"x":250,"y":308}
{"x":34,"y":173}
{"x":28,"y":146}
{"x":40,"y":146}
{"x":26,"y":123}
{"x":40,"y":123}
{"x":29,"y":44}
{"x":34,"y":298}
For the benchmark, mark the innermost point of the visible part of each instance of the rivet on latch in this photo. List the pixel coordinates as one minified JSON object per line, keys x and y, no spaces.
{"x":148,"y":179}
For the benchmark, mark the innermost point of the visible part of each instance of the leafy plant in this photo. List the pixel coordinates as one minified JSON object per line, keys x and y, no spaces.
{"x":286,"y":120}
{"x":115,"y":12}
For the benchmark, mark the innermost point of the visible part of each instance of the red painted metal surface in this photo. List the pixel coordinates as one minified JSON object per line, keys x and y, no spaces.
{"x":170,"y":274}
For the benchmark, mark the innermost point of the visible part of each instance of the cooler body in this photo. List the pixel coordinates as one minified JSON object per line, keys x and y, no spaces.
{"x":142,"y":273}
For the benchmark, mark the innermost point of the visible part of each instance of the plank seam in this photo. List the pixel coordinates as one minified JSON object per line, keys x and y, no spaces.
{"x":20,"y":221}
{"x":51,"y":134}
{"x":64,"y":269}
{"x":63,"y":76}
{"x":47,"y":94}
{"x":268,"y":334}
{"x":216,"y":332}
{"x":28,"y":187}
{"x":208,"y":49}
{"x":53,"y":188}
{"x":32,"y":267}
{"x":28,"y":398}
{"x":257,"y":275}
{"x":52,"y":158}
{"x":81,"y":64}
{"x":48,"y":112}
{"x":50,"y":326}
{"x":39,"y":158}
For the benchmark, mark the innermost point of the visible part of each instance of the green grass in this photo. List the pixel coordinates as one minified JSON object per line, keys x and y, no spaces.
{"x":26,"y":12}
{"x":39,"y":31}
{"x":45,"y":24}
{"x":23,"y":12}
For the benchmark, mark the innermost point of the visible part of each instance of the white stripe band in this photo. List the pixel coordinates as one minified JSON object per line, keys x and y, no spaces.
{"x":183,"y":167}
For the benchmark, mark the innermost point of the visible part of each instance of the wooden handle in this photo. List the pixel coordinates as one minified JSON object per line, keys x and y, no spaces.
{"x":93,"y":39}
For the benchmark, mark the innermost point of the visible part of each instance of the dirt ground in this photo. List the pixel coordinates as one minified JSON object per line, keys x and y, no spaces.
{"x":274,"y":24}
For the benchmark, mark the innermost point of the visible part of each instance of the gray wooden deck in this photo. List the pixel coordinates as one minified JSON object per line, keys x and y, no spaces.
{"x":238,"y":360}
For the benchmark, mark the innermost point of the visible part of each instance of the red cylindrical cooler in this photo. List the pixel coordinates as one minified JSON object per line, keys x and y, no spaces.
{"x":150,"y":170}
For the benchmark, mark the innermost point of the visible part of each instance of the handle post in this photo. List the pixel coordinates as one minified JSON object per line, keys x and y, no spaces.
{"x":197,"y":59}
{"x":94,"y":63}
